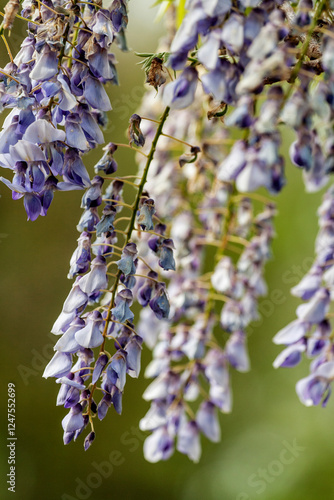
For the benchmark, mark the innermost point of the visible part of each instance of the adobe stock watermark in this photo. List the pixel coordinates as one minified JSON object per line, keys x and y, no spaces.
{"x":38,"y":362}
{"x":84,"y":487}
{"x":260,"y":480}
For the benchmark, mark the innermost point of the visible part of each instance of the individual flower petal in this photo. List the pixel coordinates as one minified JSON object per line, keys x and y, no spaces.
{"x":59,"y":365}
{"x":46,"y":65}
{"x":67,"y":342}
{"x":291,"y":333}
{"x":126,"y":263}
{"x":90,"y":336}
{"x":96,"y":279}
{"x":189,"y":441}
{"x":133,"y":350}
{"x":73,"y":420}
{"x":121,"y":311}
{"x":154,"y":418}
{"x":290,"y":356}
{"x":181,"y":93}
{"x":223,"y":276}
{"x":207,"y":421}
{"x":316,"y":309}
{"x":42,"y":132}
{"x":159,"y":303}
{"x":76,"y":300}
{"x":116,"y":371}
{"x":95,"y":94}
{"x":311,"y":390}
{"x":158,"y":446}
{"x":236,"y":351}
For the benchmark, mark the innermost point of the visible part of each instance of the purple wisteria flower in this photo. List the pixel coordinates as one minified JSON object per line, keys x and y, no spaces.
{"x":56,"y":94}
{"x":181,"y":93}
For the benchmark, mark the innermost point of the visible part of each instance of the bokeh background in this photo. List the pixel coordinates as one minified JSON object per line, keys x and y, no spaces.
{"x":267,"y":418}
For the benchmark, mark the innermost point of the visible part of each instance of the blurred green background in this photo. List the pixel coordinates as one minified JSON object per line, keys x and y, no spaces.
{"x":267,"y":418}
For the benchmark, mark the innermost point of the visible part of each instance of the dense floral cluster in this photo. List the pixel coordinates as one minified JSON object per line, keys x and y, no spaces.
{"x":205,"y":337}
{"x":55,"y":90}
{"x":188,"y":246}
{"x":111,"y":318}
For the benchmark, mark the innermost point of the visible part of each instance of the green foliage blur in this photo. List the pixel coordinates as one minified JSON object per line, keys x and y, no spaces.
{"x":272,"y":447}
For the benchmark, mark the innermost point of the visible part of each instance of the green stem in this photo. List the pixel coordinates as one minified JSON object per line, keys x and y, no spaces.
{"x":135,"y":209}
{"x":294,"y":74}
{"x":129,"y":233}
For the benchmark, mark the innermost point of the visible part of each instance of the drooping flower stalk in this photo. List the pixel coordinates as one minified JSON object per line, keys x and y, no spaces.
{"x":129,"y":233}
{"x":82,"y":331}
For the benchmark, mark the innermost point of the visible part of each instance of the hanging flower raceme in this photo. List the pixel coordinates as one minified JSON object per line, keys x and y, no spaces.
{"x":98,"y":309}
{"x":55,"y":88}
{"x":193,"y":347}
{"x":196,"y":344}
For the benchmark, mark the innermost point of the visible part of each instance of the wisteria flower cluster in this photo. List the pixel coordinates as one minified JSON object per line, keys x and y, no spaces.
{"x":55,"y":90}
{"x":172,"y":259}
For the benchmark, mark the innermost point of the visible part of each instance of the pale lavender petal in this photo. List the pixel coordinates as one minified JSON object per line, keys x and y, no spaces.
{"x":207,"y":421}
{"x":42,"y":132}
{"x":59,"y":365}
{"x":291,"y":333}
{"x":158,"y":446}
